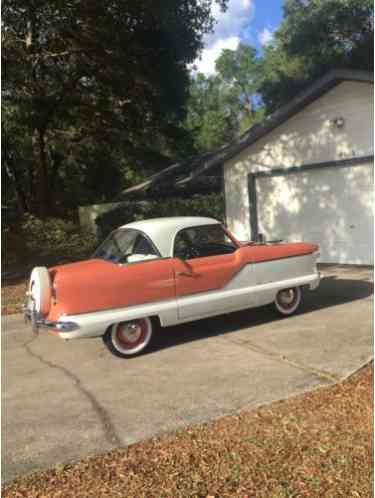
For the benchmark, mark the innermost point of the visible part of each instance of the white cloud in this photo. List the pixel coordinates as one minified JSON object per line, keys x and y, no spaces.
{"x":227,"y":31}
{"x":265,"y":36}
{"x":206,"y":64}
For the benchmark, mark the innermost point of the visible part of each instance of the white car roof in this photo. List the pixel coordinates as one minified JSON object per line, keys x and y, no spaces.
{"x":162,"y":231}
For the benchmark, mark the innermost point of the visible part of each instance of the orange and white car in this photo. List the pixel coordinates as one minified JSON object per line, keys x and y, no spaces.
{"x":162,"y":272}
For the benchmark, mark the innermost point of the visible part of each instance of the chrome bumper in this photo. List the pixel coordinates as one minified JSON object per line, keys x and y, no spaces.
{"x":38,"y":322}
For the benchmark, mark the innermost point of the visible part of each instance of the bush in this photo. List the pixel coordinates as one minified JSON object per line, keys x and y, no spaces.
{"x":211,"y":205}
{"x":32,"y":241}
{"x":53,"y":235}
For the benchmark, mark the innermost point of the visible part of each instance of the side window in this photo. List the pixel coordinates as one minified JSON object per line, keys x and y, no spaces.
{"x":126,"y":245}
{"x":183,"y":245}
{"x":143,"y":246}
{"x":203,"y":241}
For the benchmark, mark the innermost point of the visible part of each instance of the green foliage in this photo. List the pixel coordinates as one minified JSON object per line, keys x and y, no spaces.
{"x":53,"y":234}
{"x":211,"y":205}
{"x":48,"y":241}
{"x":222,"y":106}
{"x":212,"y":113}
{"x":91,"y":83}
{"x":242,"y":71}
{"x":314,"y":37}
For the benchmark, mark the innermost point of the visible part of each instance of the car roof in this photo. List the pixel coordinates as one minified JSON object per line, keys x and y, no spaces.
{"x":162,"y":231}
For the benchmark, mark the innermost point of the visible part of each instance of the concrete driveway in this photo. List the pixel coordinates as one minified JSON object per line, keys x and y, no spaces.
{"x":67,"y":400}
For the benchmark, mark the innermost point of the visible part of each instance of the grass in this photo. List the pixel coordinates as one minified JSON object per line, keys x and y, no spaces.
{"x":318,"y":444}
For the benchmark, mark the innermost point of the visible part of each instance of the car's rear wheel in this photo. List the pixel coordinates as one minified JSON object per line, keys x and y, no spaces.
{"x":131,"y":338}
{"x":288,"y":300}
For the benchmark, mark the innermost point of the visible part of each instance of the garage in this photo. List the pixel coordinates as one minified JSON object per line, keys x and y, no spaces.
{"x":306,"y":173}
{"x":331,"y":204}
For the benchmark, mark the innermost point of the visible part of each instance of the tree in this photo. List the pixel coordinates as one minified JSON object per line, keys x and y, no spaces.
{"x":242,"y":71}
{"x":314,"y":37}
{"x":82,"y":75}
{"x":222,"y":106}
{"x":212,"y":116}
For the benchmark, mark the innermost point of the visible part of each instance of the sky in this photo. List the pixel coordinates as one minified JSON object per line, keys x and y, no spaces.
{"x":246,"y":21}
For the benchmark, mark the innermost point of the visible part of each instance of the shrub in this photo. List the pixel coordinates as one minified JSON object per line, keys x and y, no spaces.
{"x":56,"y":235}
{"x":211,"y":205}
{"x":32,"y":242}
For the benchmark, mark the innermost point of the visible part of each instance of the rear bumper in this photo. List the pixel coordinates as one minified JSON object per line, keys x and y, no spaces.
{"x":37,"y":322}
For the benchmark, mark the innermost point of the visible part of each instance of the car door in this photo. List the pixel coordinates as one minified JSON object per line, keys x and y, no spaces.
{"x":205,"y":262}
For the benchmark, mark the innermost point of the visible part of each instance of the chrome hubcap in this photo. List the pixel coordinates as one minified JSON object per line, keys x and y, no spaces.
{"x":130,"y":332}
{"x":286,"y":297}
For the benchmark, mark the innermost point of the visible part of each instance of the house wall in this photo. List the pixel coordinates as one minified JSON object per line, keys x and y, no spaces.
{"x":308,"y":137}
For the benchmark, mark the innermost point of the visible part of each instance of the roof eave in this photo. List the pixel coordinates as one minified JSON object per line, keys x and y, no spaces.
{"x":313,"y":92}
{"x":228,"y":151}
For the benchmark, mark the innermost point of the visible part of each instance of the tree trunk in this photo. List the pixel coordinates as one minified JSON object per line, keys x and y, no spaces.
{"x":22,"y":203}
{"x":42,"y":201}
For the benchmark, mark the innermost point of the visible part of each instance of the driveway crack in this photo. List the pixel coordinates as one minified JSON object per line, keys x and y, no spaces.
{"x":284,"y":359}
{"x":108,"y":428}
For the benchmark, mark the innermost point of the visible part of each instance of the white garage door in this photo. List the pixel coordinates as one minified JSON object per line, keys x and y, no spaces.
{"x":332,"y":206}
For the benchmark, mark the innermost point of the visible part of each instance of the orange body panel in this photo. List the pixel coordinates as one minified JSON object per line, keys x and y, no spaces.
{"x":96,"y":285}
{"x":205,"y":274}
{"x":258,"y":253}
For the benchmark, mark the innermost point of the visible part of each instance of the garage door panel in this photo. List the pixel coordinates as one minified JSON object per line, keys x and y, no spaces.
{"x":331,"y":206}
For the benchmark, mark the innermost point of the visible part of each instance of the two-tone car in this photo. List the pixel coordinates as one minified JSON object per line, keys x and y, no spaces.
{"x":163,"y":272}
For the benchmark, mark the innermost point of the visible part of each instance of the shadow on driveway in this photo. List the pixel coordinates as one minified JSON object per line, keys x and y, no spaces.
{"x":332,"y":291}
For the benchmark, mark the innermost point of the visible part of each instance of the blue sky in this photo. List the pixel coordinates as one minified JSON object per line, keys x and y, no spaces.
{"x":248,"y":21}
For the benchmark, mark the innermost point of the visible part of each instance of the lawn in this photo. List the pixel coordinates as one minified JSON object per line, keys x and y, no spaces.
{"x":318,"y":444}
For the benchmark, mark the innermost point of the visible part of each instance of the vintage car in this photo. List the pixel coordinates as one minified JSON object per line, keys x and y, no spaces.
{"x":163,"y":272}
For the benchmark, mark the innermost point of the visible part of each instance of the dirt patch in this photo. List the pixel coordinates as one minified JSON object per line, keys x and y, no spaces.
{"x":316,"y":444}
{"x":13,"y":297}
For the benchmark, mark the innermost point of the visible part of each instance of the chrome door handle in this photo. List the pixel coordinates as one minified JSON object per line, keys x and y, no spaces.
{"x":184,"y":274}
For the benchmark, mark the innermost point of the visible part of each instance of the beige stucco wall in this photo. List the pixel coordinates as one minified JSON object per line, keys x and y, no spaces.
{"x":306,"y":138}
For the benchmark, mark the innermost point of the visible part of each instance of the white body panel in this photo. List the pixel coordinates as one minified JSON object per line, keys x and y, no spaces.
{"x":309,"y":138}
{"x":255,"y":285}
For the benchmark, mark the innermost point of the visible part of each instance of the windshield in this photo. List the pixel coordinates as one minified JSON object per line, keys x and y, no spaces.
{"x":124,"y":243}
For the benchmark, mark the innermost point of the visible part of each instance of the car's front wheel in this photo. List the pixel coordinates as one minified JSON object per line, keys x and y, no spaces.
{"x":131,"y":338}
{"x":288,"y":300}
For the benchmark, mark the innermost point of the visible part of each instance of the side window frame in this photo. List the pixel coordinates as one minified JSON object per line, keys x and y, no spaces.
{"x":235,"y":243}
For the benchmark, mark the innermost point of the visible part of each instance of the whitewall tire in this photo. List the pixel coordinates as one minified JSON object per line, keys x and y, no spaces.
{"x":127,"y":339}
{"x":40,"y":290}
{"x":288,"y":300}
